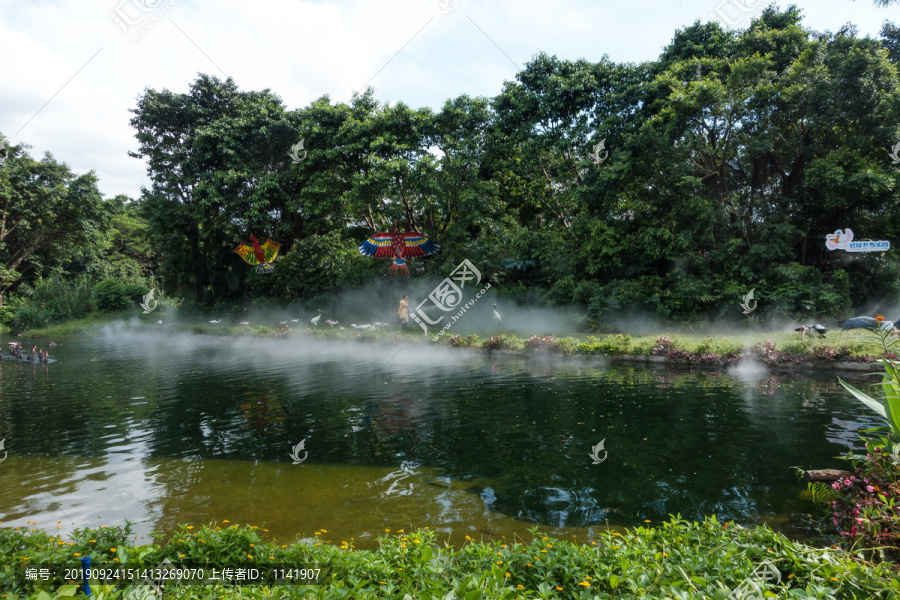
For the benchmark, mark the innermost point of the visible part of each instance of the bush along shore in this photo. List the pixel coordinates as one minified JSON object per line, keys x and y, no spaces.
{"x":677,"y":559}
{"x":852,"y":352}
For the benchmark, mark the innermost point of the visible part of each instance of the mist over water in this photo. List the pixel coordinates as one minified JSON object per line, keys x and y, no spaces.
{"x":162,"y":426}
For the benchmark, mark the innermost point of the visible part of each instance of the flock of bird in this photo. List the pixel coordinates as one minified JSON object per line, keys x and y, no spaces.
{"x":314,"y":322}
{"x":871,"y":323}
{"x":41,"y":356}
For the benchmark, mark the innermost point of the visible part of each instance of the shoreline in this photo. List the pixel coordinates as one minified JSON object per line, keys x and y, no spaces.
{"x":772,"y":350}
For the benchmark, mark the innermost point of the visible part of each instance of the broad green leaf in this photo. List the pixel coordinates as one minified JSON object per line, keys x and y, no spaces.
{"x":866,"y":399}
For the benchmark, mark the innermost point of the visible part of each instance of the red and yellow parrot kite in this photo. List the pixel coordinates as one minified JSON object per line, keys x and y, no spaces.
{"x":398,"y":245}
{"x":261,"y":256}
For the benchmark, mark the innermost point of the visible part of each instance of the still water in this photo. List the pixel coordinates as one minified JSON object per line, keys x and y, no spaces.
{"x":168,"y":428}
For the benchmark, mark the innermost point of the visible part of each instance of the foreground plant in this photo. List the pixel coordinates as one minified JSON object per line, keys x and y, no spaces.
{"x":677,"y":559}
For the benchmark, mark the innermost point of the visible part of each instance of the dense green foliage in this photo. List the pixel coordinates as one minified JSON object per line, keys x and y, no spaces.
{"x":671,"y":186}
{"x":678,"y":559}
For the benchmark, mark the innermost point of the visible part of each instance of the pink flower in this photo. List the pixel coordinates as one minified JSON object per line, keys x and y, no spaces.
{"x":870,"y":489}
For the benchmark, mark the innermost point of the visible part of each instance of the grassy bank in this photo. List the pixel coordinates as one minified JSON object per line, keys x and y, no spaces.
{"x":770,"y":347}
{"x":677,"y":559}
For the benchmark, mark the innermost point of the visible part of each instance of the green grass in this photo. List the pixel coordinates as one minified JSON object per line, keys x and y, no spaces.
{"x":852,"y":344}
{"x":677,"y":559}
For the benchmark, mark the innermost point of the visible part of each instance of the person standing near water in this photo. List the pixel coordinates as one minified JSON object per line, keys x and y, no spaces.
{"x":403,"y":312}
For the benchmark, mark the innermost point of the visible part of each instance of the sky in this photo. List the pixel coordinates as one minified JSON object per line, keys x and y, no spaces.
{"x":72,"y":69}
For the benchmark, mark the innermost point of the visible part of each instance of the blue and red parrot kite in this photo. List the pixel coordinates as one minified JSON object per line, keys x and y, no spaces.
{"x":261,"y":256}
{"x":398,"y":246}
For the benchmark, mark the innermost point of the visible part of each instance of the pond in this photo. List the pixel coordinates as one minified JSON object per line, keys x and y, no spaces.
{"x":162,"y":428}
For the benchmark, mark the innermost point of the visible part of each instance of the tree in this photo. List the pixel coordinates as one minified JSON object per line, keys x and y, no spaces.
{"x":47,"y":215}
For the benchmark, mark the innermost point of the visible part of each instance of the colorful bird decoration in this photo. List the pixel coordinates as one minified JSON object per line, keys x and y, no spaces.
{"x":261,"y":256}
{"x":398,"y":246}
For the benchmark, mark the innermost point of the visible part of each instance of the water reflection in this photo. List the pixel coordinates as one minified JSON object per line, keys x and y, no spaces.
{"x":161,"y":431}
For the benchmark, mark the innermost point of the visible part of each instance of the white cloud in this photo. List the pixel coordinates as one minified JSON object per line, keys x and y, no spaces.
{"x":302,"y":50}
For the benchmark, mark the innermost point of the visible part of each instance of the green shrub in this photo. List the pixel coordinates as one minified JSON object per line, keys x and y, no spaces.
{"x":650,"y":563}
{"x":113,"y":295}
{"x":32,"y":316}
{"x":68,"y":299}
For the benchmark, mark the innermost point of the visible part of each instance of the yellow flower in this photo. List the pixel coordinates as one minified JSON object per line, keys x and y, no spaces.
{"x":834,"y":578}
{"x":499,"y":562}
{"x":558,"y":589}
{"x":266,"y":530}
{"x":326,"y":531}
{"x":202,"y":540}
{"x":790,"y":575}
{"x":593,"y":543}
{"x":190,"y":526}
{"x":272,"y":557}
{"x":381,"y":582}
{"x":388,"y":530}
{"x":417,"y":541}
{"x":403,"y":545}
{"x":180,"y":540}
{"x":646,"y":520}
{"x":666,"y":555}
{"x":181,"y":556}
{"x":508,"y":575}
{"x":527,"y":564}
{"x":249,"y":556}
{"x":284,"y":546}
{"x":468,"y":538}
{"x":226,"y":521}
{"x":544,"y":551}
{"x":252,"y":545}
{"x":112,"y":549}
{"x":584,"y":583}
{"x":503,"y":545}
{"x":520,"y":587}
{"x":617,"y":547}
{"x":398,"y":531}
{"x":93,"y":541}
{"x":76,"y":554}
{"x":115,"y":560}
